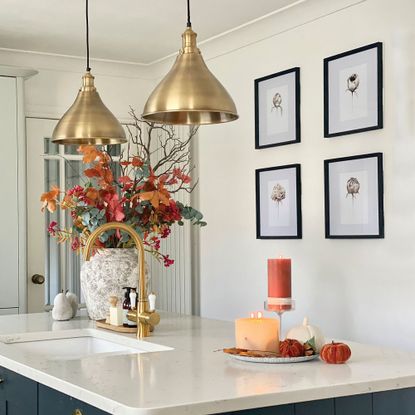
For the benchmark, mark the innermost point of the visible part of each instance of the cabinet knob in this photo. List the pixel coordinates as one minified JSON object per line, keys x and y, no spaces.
{"x":77,"y":412}
{"x":1,"y":380}
{"x":38,"y":279}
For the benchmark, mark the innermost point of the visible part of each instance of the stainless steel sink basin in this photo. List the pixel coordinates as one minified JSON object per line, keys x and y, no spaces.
{"x":77,"y":344}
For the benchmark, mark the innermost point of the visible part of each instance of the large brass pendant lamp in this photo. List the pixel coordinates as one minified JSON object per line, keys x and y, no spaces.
{"x":190,"y":93}
{"x":88,"y":120}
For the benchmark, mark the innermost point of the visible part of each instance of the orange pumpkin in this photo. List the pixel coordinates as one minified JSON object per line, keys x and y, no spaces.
{"x":335,"y":353}
{"x":291,"y":348}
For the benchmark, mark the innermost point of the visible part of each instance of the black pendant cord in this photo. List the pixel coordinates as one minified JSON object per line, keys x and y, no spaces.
{"x":88,"y":69}
{"x":189,"y":24}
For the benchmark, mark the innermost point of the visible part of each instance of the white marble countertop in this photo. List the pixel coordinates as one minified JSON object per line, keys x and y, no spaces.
{"x":193,"y":378}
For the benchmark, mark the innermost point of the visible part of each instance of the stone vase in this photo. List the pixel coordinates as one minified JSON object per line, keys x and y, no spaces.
{"x":104,"y":275}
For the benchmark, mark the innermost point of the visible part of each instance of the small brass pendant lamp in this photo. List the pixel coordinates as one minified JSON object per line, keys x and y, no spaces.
{"x":189,"y":94}
{"x":88,"y":120}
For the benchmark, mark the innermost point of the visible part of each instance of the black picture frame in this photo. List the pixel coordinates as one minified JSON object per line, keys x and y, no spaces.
{"x":380,"y":198}
{"x":379,"y":47}
{"x":298,"y":215}
{"x":297,"y":116}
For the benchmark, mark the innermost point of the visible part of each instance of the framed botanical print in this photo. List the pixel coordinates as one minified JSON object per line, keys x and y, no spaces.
{"x":353,"y":91}
{"x":278,"y":202}
{"x":277,"y":109}
{"x":354,"y":196}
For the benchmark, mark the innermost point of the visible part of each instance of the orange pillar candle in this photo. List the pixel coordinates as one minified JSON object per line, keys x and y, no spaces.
{"x":257,"y":333}
{"x":279,"y":280}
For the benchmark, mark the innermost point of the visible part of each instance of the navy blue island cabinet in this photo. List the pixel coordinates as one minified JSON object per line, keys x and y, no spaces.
{"x":22,"y":396}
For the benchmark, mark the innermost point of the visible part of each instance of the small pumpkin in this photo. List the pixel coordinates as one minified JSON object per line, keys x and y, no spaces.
{"x":335,"y":353}
{"x":304,"y":332}
{"x":291,"y":348}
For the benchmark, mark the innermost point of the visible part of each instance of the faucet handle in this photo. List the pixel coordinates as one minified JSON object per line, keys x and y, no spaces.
{"x":151,"y":318}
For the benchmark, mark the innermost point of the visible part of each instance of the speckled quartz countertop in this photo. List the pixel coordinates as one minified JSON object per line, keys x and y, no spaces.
{"x":193,"y":378}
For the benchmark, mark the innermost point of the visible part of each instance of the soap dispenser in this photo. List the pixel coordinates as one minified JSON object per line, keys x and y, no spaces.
{"x":126,"y":306}
{"x":133,"y":306}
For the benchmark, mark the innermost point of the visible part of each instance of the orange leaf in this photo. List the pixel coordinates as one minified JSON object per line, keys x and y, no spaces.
{"x":137,"y":162}
{"x":92,"y":193}
{"x":152,"y":196}
{"x":164,"y":198}
{"x":90,"y":153}
{"x":92,"y":173}
{"x":49,"y":199}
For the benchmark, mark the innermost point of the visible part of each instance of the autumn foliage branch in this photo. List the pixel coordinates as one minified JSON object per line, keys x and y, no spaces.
{"x":155,"y":165}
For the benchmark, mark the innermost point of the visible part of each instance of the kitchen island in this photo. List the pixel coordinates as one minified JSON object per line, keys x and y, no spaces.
{"x":195,"y":378}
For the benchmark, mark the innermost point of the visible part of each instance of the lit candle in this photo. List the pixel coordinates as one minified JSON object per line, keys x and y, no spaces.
{"x":279,"y":281}
{"x":257,"y":333}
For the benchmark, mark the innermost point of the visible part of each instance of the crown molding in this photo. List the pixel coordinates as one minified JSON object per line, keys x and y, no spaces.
{"x":17,"y":71}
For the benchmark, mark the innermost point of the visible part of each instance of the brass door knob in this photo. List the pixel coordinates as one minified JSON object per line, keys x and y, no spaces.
{"x":77,"y":412}
{"x":38,"y":279}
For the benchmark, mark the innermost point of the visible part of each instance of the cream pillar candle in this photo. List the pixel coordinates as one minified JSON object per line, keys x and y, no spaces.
{"x":257,"y":333}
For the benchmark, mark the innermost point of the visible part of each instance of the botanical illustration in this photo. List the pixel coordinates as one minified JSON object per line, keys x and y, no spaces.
{"x":277,"y":103}
{"x":155,"y":166}
{"x":353,"y":187}
{"x":278,"y":194}
{"x":353,"y":82}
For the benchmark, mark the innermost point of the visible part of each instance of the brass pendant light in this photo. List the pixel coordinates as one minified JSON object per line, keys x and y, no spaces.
{"x":88,"y":120}
{"x":189,"y":94}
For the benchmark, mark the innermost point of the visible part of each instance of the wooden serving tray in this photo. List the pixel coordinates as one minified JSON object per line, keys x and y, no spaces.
{"x":120,"y":329}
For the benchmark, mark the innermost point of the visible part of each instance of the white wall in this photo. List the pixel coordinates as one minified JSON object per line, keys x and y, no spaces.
{"x":354,"y":289}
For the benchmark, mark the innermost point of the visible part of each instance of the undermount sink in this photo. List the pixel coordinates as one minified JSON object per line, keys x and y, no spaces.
{"x":77,"y":344}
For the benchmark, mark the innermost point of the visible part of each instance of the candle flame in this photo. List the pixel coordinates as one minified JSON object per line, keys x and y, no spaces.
{"x":259,"y":315}
{"x":252,"y":315}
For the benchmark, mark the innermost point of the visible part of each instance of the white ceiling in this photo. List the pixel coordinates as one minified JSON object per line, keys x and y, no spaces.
{"x":126,"y":30}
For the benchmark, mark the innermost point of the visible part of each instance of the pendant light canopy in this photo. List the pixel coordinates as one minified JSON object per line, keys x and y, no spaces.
{"x":88,"y":120}
{"x":190,"y":93}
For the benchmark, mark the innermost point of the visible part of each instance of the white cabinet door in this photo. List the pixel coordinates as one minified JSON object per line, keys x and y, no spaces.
{"x":9,"y":207}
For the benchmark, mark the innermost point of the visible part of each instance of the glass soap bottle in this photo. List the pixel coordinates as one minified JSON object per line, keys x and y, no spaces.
{"x":126,"y":306}
{"x":133,"y":306}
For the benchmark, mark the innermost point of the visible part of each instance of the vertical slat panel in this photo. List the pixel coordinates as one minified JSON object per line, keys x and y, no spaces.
{"x":173,"y":285}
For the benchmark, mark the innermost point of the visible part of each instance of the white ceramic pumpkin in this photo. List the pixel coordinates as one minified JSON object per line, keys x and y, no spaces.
{"x":305,"y":332}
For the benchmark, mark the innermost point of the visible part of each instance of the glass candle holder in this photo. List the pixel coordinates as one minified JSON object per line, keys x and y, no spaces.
{"x":279,"y":306}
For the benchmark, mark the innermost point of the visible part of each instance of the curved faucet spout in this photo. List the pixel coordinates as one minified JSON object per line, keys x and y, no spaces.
{"x":143,"y":315}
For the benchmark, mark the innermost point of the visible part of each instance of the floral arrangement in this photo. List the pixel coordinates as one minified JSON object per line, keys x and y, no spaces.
{"x":142,"y":195}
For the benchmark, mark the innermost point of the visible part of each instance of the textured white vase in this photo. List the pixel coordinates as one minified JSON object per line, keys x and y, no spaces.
{"x":105,"y":274}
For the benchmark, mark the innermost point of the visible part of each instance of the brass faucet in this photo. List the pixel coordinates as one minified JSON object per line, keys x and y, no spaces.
{"x":145,"y":319}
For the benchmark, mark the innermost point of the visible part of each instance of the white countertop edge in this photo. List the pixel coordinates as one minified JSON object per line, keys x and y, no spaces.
{"x":220,"y":406}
